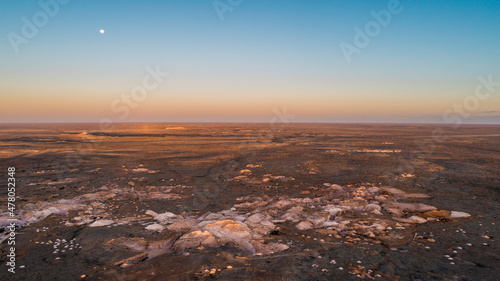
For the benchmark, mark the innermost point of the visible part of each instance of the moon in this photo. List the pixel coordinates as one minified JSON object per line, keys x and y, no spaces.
{"x":101,"y":31}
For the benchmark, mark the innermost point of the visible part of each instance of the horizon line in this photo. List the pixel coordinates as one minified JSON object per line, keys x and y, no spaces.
{"x":250,"y":122}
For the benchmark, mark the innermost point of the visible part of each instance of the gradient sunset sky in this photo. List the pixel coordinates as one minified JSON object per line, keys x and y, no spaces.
{"x":240,"y":64}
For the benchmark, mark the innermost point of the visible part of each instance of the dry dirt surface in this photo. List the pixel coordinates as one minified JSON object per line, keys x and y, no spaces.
{"x":252,"y":202}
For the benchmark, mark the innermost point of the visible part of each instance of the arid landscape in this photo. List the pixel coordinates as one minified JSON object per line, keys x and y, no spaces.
{"x":253,"y":201}
{"x":250,"y":140}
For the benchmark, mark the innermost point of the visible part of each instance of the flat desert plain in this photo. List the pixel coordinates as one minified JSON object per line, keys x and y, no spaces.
{"x":252,"y":201}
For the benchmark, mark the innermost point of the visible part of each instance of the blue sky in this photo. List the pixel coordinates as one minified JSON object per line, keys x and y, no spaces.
{"x":261,"y":55}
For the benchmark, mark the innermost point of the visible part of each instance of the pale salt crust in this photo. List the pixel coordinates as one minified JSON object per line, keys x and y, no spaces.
{"x":374,"y":212}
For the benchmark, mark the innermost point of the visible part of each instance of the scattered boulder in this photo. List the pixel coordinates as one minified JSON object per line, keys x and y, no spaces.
{"x":281,"y":203}
{"x":435,"y":214}
{"x":417,"y":219}
{"x":457,"y":215}
{"x":269,"y":248}
{"x":164,"y":217}
{"x":374,"y":208}
{"x":155,"y":227}
{"x":304,"y":225}
{"x":195,"y":239}
{"x":245,"y":172}
{"x":293,"y":214}
{"x":333,"y":210}
{"x":256,"y":218}
{"x":229,"y":229}
{"x":182,"y":226}
{"x":394,"y":191}
{"x":101,"y":223}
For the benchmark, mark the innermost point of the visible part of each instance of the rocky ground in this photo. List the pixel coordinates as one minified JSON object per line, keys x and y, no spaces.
{"x":253,"y":202}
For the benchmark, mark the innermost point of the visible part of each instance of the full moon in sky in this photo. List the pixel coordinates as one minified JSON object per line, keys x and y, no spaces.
{"x":101,"y":31}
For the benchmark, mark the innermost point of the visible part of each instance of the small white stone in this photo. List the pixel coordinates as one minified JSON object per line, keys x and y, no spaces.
{"x":155,"y":227}
{"x":333,"y":262}
{"x":340,"y":268}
